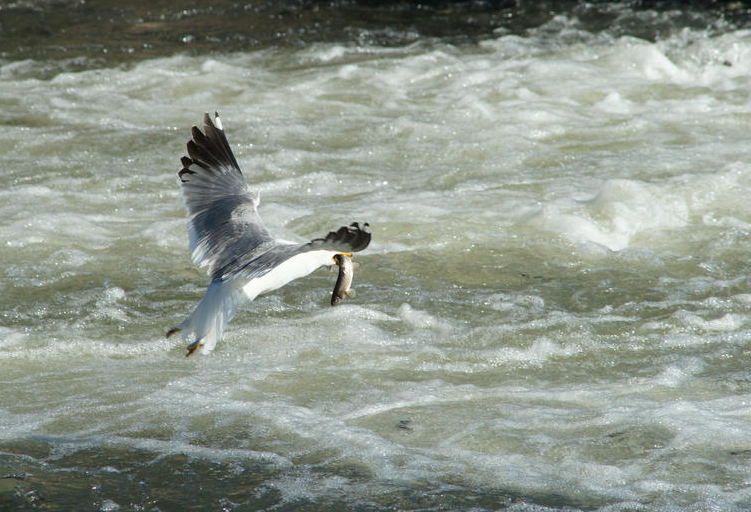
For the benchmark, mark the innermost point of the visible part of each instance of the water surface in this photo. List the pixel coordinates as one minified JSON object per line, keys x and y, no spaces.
{"x":553,"y":314}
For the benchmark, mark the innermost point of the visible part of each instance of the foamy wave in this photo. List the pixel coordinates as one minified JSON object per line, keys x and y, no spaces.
{"x":621,"y":210}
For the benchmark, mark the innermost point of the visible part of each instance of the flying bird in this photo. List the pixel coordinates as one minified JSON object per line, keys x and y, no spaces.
{"x":227,"y":236}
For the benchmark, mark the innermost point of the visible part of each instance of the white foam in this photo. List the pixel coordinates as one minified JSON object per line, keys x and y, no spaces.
{"x":107,"y":305}
{"x":421,"y":319}
{"x":538,"y":352}
{"x":727,"y":322}
{"x":614,"y":103}
{"x":678,"y":374}
{"x":648,"y":59}
{"x":10,"y":338}
{"x":620,"y":211}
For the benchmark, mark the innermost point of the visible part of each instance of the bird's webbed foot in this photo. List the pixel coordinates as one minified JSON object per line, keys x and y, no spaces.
{"x":193,"y":347}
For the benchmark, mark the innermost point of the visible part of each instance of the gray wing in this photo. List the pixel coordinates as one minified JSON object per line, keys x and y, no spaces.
{"x":224,"y":226}
{"x":352,"y":238}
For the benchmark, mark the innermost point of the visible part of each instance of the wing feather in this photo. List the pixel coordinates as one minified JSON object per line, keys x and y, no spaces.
{"x":226,"y":234}
{"x":224,"y":223}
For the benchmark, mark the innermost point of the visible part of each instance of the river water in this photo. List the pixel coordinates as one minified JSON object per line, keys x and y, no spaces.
{"x":554,"y":313}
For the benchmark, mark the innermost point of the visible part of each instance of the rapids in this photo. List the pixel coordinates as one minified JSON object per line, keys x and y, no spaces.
{"x":554,"y":312}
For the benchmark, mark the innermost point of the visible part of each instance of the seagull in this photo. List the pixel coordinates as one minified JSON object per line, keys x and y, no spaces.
{"x":227,"y":236}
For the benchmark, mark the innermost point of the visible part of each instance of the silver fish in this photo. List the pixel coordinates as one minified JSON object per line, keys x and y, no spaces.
{"x":344,"y":280}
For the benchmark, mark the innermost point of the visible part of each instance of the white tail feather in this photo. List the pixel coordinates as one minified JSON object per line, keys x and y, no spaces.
{"x":213,"y":313}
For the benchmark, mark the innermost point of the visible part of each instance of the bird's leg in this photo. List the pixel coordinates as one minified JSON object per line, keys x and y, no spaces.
{"x":193,"y":347}
{"x":173,"y":331}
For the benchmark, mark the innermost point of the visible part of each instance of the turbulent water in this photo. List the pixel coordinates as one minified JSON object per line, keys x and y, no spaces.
{"x":554,"y":313}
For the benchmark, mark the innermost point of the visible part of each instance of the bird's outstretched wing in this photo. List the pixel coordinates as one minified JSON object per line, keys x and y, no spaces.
{"x":224,"y":226}
{"x":352,"y":238}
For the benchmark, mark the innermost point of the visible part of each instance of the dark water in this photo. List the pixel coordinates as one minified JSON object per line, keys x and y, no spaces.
{"x":95,"y":479}
{"x":106,"y":32}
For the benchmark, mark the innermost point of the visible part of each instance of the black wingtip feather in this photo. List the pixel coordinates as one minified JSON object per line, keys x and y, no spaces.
{"x":217,"y":136}
{"x":208,"y":149}
{"x":202,"y":153}
{"x":347,"y":238}
{"x":182,"y":172}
